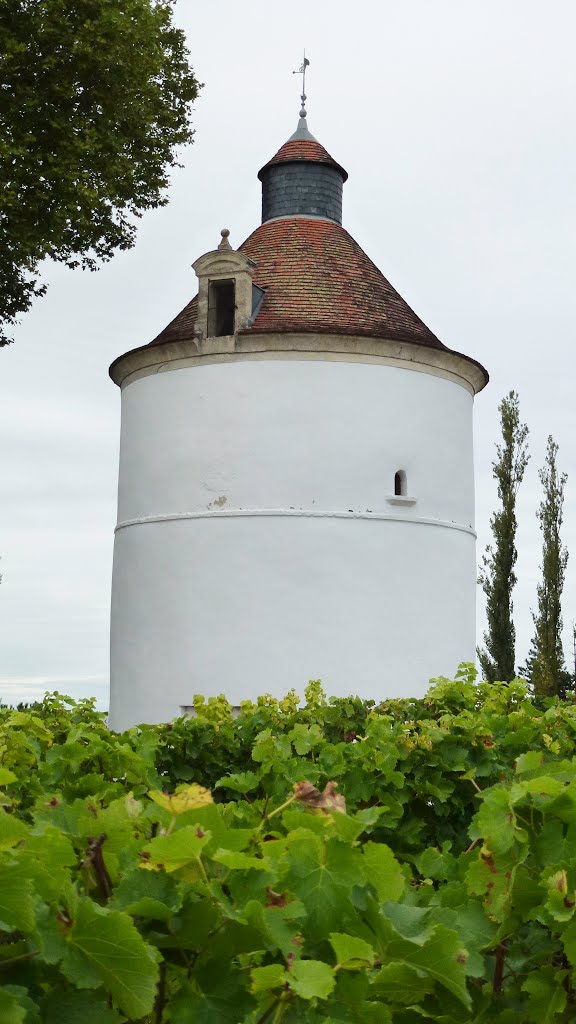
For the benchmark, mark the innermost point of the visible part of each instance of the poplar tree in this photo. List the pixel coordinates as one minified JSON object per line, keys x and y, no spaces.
{"x":497,"y":575}
{"x":545,"y":666}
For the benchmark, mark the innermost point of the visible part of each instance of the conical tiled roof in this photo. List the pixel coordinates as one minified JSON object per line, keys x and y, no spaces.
{"x":303,"y":146}
{"x":316,"y":278}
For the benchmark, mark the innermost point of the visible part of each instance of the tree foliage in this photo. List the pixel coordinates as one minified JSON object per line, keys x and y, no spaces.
{"x":335,"y":862}
{"x":497,"y":575}
{"x":95,"y":99}
{"x":545,"y":666}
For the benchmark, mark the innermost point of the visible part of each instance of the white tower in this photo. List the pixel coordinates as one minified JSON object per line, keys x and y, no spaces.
{"x":296,"y":490}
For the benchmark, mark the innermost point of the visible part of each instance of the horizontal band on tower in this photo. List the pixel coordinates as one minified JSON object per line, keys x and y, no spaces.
{"x":298,"y":513}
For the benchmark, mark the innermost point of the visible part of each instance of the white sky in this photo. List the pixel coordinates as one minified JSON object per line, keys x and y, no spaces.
{"x":455,"y":122}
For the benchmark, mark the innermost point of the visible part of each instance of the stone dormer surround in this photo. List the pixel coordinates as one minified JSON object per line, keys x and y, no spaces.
{"x":221,"y":264}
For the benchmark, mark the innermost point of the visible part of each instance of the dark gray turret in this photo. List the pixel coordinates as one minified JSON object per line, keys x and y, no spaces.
{"x":302,"y":179}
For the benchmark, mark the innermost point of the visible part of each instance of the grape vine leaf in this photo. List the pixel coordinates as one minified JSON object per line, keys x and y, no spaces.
{"x":383,"y":871}
{"x":322,"y":875}
{"x":264,"y":978}
{"x":12,"y":830}
{"x":240,"y":782}
{"x":105,"y":948}
{"x":11,"y":1009}
{"x":442,"y":957}
{"x":186,"y":798}
{"x":311,"y":979}
{"x":72,"y":1007}
{"x":178,"y":849}
{"x":351,"y":953}
{"x":547,"y":995}
{"x":149,"y":894}
{"x":403,"y":983}
{"x":16,"y":902}
{"x":495,"y":821}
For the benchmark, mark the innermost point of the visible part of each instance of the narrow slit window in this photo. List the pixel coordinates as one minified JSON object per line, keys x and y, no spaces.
{"x":400,"y":489}
{"x":221,"y":308}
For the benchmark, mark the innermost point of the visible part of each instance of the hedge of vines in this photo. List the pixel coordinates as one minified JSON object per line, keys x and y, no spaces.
{"x":332,"y":861}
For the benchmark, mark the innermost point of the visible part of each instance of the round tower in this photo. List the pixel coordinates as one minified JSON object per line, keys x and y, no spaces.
{"x":296,"y":488}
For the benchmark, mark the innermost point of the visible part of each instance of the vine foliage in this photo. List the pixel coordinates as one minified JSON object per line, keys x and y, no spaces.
{"x":334,"y":861}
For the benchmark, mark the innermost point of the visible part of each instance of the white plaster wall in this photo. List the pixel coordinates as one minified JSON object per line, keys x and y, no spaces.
{"x":260,"y":601}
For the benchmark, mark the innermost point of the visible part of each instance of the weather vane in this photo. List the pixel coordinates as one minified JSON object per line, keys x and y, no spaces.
{"x":302,"y":71}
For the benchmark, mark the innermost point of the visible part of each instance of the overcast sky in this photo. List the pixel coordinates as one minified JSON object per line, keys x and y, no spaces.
{"x":455,"y":122}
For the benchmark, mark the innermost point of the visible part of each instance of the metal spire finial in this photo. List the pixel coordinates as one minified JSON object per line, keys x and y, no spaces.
{"x":302,"y":71}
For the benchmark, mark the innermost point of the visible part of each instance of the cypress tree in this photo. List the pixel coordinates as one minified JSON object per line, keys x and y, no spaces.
{"x":497,"y":575}
{"x":545,"y":666}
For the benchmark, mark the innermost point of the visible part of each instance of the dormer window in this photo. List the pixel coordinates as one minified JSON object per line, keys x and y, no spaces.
{"x":221,"y":308}
{"x":226,"y":297}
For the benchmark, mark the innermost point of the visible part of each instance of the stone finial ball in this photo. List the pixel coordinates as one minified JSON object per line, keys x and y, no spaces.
{"x":225,"y":232}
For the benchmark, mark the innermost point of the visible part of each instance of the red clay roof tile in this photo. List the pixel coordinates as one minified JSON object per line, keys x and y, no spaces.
{"x":317,"y":279}
{"x":307,"y":149}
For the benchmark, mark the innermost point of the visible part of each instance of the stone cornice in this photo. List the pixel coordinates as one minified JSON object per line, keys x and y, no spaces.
{"x":167,"y":356}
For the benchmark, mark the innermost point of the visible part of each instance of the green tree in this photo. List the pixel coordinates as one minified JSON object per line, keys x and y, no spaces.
{"x":545,"y":667}
{"x":95,"y":98}
{"x":497,"y":575}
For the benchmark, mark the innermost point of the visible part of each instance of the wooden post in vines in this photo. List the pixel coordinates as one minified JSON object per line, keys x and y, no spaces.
{"x":546,"y":668}
{"x":497,"y":575}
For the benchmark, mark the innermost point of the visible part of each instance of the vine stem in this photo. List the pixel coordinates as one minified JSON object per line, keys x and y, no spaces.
{"x":266,"y":1015}
{"x":202,"y":869}
{"x":279,"y":1013}
{"x":18,"y":959}
{"x":160,"y":995}
{"x":282,"y":807}
{"x":499,"y":968}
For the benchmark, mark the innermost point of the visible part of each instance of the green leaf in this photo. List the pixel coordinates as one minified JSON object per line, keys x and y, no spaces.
{"x":178,"y":849}
{"x":442,"y":958}
{"x":104,"y":948}
{"x":240,"y":861}
{"x":275,"y":924}
{"x":569,"y":942}
{"x":264,"y":978}
{"x":495,"y":822}
{"x":547,"y":995}
{"x":6,"y":777}
{"x":382,"y":870}
{"x":11,"y":1009}
{"x":311,"y":979}
{"x":322,"y":875}
{"x":240,"y":782}
{"x":351,"y":952}
{"x":45,"y":860}
{"x":213,"y":819}
{"x":528,"y":762}
{"x":476,"y":932}
{"x":12,"y":830}
{"x":437,"y":865}
{"x":403,"y":983}
{"x":16,"y":902}
{"x":559,"y":902}
{"x":492,"y":876}
{"x":149,"y":894}
{"x":78,"y":1008}
{"x":305,"y":737}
